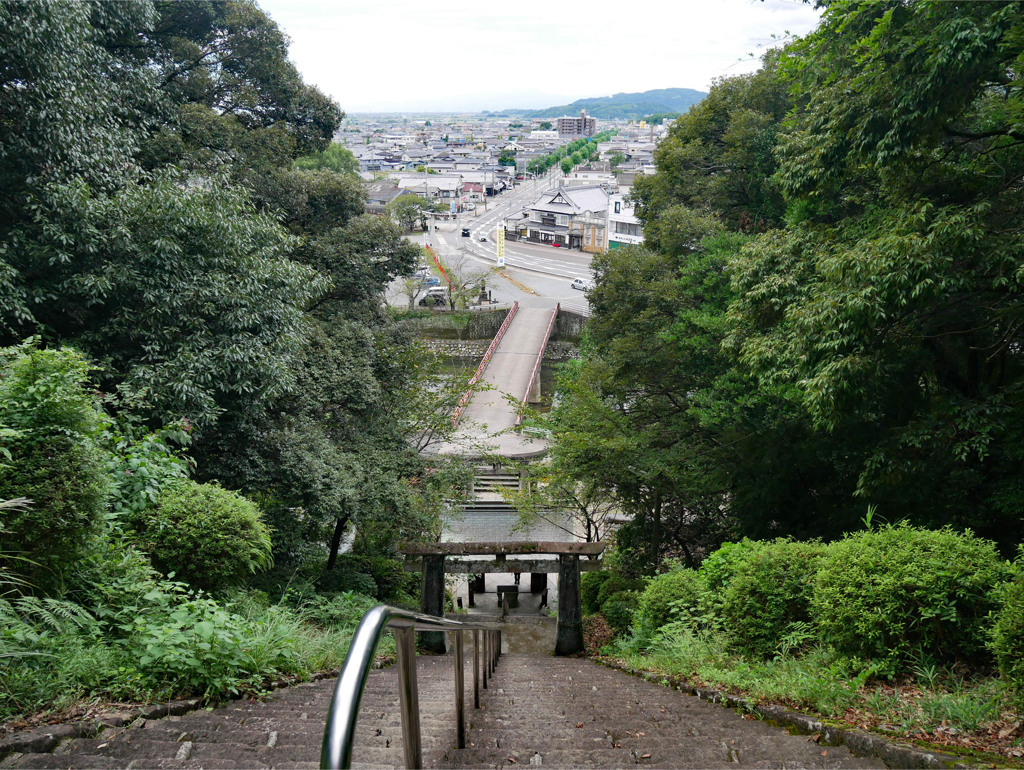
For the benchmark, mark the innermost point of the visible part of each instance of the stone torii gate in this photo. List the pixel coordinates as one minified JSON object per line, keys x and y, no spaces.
{"x":434,"y":559}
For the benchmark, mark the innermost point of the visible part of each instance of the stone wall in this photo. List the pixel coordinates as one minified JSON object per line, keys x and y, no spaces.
{"x":458,"y":348}
{"x":557,"y":350}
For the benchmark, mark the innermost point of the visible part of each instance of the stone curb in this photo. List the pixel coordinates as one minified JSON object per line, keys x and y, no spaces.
{"x":40,"y":740}
{"x":894,"y":755}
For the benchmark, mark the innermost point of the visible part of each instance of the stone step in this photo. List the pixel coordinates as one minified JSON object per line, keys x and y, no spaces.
{"x":544,"y":710}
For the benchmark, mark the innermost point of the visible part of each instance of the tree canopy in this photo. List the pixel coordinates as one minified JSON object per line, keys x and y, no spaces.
{"x":825,"y":311}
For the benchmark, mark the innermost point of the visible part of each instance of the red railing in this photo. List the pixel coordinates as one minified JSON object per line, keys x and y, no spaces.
{"x":536,"y":365}
{"x":437,"y":262}
{"x":482,"y":367}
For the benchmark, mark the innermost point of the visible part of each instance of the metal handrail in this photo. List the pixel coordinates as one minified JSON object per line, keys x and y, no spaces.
{"x":339,"y":732}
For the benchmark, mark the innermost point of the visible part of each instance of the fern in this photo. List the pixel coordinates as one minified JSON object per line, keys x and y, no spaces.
{"x":58,"y":615}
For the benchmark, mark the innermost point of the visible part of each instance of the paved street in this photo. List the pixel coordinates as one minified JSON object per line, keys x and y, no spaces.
{"x":544,"y":271}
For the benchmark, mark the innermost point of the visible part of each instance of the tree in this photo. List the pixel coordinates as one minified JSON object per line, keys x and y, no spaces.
{"x":336,"y":158}
{"x":68,"y":109}
{"x":231,"y":58}
{"x":718,"y":157}
{"x":183,"y":292}
{"x":891,"y":300}
{"x":407,"y":209}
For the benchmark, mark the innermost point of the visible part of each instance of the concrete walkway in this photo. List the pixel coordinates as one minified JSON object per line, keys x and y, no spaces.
{"x":488,"y":421}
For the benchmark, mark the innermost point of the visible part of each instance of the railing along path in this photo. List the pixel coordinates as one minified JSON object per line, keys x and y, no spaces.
{"x":343,"y":714}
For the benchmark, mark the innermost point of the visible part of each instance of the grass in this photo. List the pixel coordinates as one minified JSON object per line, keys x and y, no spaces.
{"x":54,"y":671}
{"x":934,"y":705}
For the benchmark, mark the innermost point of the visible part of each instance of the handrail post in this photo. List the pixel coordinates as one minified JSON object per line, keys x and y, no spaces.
{"x":460,"y":692}
{"x":476,"y":668}
{"x":408,"y":697}
{"x":483,"y":655}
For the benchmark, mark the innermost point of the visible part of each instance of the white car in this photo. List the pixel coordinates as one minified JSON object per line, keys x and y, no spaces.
{"x":582,"y":285}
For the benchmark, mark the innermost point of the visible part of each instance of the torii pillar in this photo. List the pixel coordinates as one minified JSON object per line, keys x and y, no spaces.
{"x":569,"y":631}
{"x":432,"y":601}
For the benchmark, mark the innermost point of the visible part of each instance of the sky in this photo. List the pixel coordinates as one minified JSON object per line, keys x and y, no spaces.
{"x":415,"y":55}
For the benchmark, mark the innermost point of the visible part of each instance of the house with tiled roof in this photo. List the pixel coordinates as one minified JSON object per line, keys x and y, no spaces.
{"x":574,"y":217}
{"x":379,"y":194}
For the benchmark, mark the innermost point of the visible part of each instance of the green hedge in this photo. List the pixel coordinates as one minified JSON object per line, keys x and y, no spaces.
{"x":767,"y":596}
{"x":51,"y":427}
{"x":590,"y":584}
{"x":900,"y":591}
{"x":618,"y":610}
{"x":616,"y":584}
{"x":664,"y":594}
{"x":1008,"y":632}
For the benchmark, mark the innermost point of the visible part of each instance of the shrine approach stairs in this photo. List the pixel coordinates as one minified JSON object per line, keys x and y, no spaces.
{"x":538,"y":711}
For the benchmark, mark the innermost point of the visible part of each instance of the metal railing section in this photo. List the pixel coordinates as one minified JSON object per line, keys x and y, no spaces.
{"x":339,"y":733}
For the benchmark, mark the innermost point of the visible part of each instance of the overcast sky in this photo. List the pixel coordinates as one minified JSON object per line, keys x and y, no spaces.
{"x":414,"y":55}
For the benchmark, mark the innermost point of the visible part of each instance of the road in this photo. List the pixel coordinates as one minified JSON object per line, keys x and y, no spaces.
{"x":534,"y":275}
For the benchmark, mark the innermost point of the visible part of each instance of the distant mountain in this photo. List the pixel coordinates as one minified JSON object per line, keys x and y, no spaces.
{"x":628,"y":106}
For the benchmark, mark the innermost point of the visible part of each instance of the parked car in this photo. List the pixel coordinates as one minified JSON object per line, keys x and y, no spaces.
{"x":582,"y":285}
{"x":436,"y":295}
{"x":429,"y":280}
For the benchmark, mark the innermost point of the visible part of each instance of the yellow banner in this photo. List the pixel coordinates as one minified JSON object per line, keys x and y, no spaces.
{"x":501,"y":246}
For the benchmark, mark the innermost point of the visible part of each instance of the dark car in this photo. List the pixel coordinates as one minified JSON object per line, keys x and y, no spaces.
{"x":465,"y":232}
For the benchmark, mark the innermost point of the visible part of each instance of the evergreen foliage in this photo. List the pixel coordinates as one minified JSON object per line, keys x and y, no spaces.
{"x":899,"y":591}
{"x":1007,"y":641}
{"x":53,"y":457}
{"x":208,"y":536}
{"x":665,"y":596}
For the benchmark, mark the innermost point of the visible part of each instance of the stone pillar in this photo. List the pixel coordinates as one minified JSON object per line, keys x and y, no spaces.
{"x":432,"y":601}
{"x":569,"y":631}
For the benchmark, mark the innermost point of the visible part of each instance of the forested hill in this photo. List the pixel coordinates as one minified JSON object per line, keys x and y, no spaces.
{"x":632,"y":105}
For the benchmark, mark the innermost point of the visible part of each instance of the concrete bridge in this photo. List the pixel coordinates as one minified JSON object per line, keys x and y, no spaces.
{"x":508,"y":378}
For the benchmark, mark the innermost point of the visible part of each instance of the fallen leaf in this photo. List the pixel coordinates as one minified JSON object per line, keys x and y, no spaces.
{"x":816,"y":737}
{"x":579,"y":725}
{"x":1006,"y":732}
{"x":645,"y":756}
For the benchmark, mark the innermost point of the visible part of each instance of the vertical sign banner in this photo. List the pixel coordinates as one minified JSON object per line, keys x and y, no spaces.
{"x":501,"y":245}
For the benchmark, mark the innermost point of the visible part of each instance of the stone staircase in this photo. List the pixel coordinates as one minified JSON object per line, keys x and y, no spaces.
{"x":539,"y":710}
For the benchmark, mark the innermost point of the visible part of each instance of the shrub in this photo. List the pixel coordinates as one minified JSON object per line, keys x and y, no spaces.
{"x":341,"y":611}
{"x":616,"y":584}
{"x":767,"y":596}
{"x":52,"y":426}
{"x":716,"y":572}
{"x":900,"y":591}
{"x":1007,"y":642}
{"x":345,"y":576}
{"x":590,"y":584}
{"x":663,"y":596}
{"x":618,"y":610}
{"x":205,"y":534}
